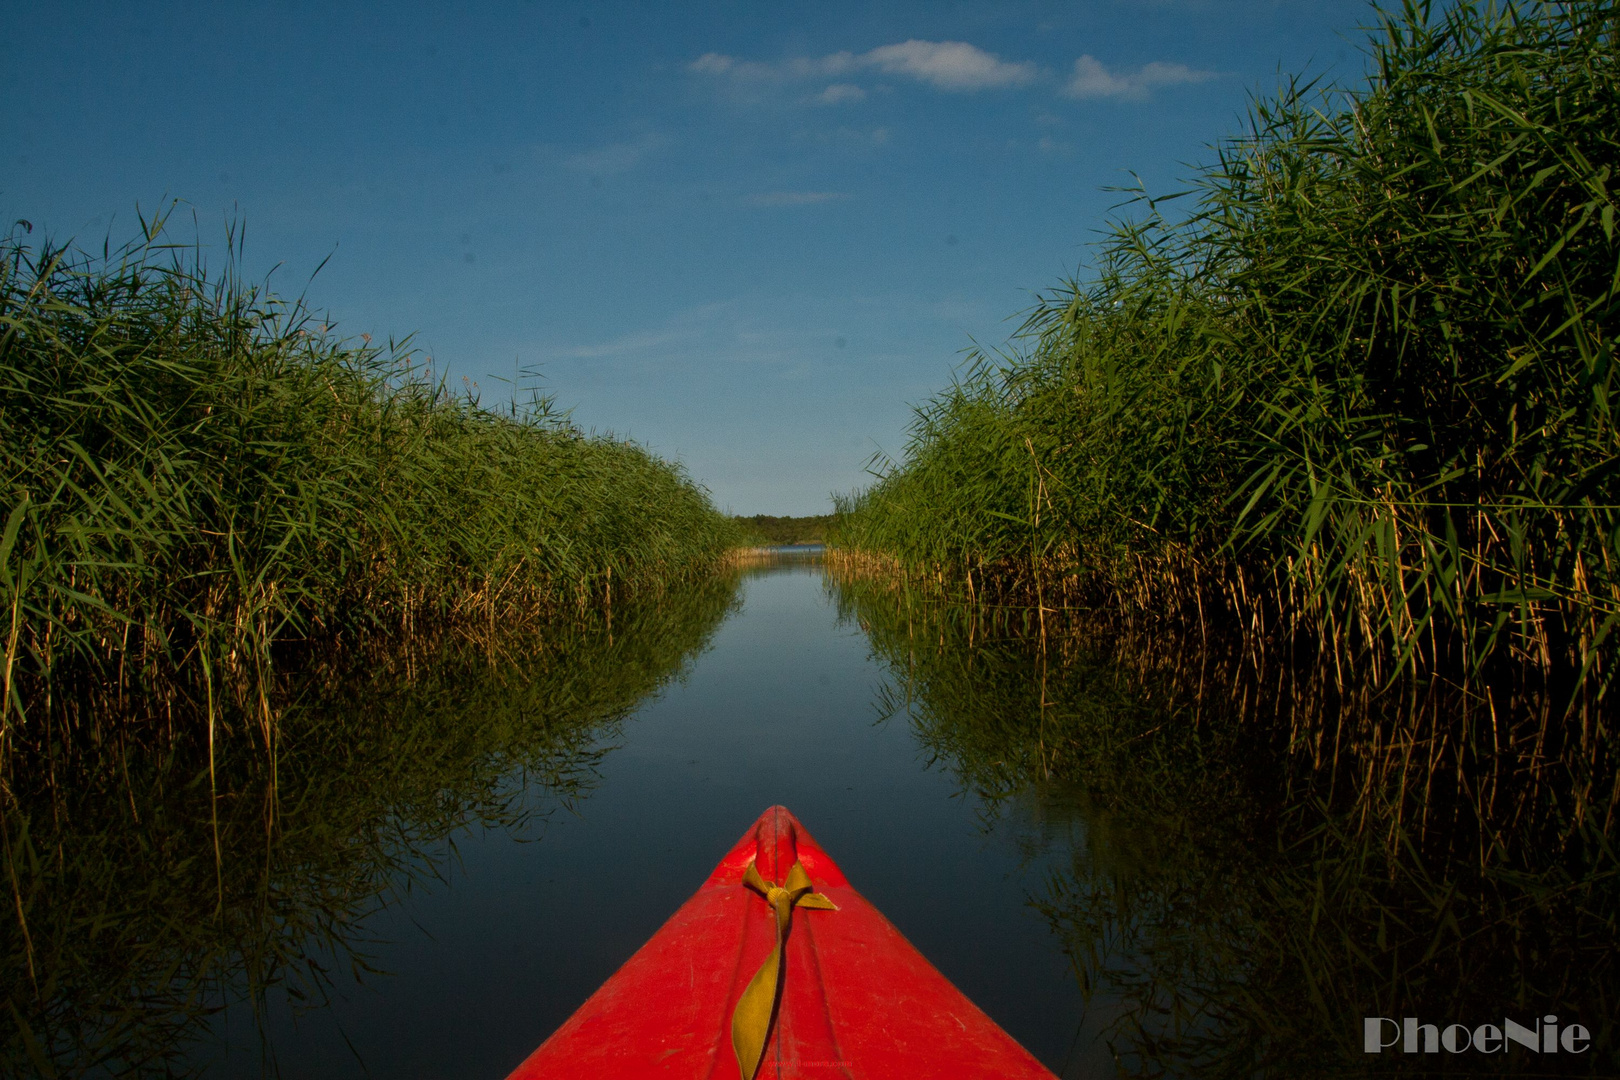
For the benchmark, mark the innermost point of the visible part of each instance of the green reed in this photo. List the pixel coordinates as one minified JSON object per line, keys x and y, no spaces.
{"x":197,"y":471}
{"x":150,"y":885}
{"x":1258,"y":858}
{"x":1362,"y":390}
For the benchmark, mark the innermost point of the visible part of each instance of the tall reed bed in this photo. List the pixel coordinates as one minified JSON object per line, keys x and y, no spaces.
{"x":1362,"y":390}
{"x":195,"y":471}
{"x":1260,"y":858}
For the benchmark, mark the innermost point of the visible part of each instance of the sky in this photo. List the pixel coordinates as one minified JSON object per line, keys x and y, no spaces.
{"x":749,"y":236}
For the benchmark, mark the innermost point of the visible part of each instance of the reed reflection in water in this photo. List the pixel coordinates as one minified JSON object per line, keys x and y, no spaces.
{"x":146,"y":905}
{"x":1232,"y":897}
{"x":1237,"y":897}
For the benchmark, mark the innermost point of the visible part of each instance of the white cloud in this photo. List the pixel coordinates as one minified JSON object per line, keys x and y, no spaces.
{"x":712,"y":64}
{"x":839,"y":93}
{"x":721,"y":64}
{"x":1092,"y":80}
{"x":616,"y":157}
{"x":794,"y":198}
{"x":953,"y":66}
{"x":944,"y":65}
{"x":949,"y":65}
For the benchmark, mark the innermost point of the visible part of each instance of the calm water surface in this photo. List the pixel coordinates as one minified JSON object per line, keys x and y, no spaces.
{"x":782,"y":707}
{"x":456,"y":843}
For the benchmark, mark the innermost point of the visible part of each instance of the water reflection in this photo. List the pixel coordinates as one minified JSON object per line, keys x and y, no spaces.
{"x":146,"y":902}
{"x":1149,"y":873}
{"x":1231,"y":904}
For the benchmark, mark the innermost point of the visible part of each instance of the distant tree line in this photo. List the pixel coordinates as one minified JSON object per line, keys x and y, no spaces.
{"x":765,"y":529}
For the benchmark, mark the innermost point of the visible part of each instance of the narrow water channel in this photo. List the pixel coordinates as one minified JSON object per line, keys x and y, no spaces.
{"x":783,"y":706}
{"x":1106,"y":839}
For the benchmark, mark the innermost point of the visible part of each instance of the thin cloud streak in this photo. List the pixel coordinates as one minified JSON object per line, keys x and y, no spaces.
{"x":951,"y":66}
{"x":954,"y":66}
{"x":617,"y":157}
{"x":1092,"y":80}
{"x":839,"y":94}
{"x":628,"y":343}
{"x":683,"y":329}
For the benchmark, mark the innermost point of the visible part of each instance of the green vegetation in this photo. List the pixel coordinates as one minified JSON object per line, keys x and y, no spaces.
{"x":764,"y":529}
{"x":1295,"y":538}
{"x":1252,"y":859}
{"x":1363,"y":391}
{"x":196,"y":471}
{"x":149,"y":885}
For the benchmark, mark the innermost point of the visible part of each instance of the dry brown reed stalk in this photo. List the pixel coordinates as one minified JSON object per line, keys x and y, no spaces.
{"x":1405,"y":753}
{"x":1261,"y":855}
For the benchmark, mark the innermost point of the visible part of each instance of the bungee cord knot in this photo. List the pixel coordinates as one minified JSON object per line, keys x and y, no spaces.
{"x":756,"y":1009}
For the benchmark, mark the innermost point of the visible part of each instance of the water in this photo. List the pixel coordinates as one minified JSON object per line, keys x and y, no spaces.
{"x":779,"y":709}
{"x":454,"y":846}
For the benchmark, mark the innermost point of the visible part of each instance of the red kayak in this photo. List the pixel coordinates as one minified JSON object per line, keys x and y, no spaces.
{"x":777,"y":967}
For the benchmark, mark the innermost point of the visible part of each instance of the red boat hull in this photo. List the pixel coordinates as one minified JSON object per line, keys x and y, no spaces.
{"x":857,"y":999}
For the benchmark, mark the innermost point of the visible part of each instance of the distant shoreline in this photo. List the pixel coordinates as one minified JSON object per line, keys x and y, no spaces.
{"x":777,"y":551}
{"x":763,"y":530}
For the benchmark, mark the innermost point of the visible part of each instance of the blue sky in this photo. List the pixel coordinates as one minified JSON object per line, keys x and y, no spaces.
{"x":748,"y":235}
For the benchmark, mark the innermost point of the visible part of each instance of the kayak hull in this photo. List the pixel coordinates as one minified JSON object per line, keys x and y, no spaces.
{"x":857,"y":999}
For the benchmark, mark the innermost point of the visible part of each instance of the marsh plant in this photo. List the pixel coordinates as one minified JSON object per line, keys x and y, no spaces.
{"x":1235,"y":903}
{"x":152,"y":884}
{"x":1309,"y":498}
{"x":1361,"y":390}
{"x":198,"y":473}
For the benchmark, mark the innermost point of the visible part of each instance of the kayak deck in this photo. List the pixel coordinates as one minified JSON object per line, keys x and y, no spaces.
{"x":857,"y":1000}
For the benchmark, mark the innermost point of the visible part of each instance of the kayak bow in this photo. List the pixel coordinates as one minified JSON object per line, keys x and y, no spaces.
{"x":751,"y":978}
